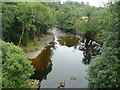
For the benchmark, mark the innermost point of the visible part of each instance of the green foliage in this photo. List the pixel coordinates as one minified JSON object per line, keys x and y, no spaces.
{"x":80,"y":26}
{"x":104,"y":71}
{"x":66,"y":15}
{"x":16,"y":67}
{"x":25,"y":20}
{"x":69,"y":15}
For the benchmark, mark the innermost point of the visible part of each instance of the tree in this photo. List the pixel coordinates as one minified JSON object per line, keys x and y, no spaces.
{"x":104,"y":71}
{"x":25,"y":20}
{"x":16,"y":67}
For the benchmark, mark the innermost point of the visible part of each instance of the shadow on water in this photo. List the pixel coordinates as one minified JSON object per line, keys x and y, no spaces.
{"x":90,"y":48}
{"x":44,"y":64}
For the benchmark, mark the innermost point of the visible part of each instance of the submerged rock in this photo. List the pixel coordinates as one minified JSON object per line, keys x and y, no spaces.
{"x":73,"y":78}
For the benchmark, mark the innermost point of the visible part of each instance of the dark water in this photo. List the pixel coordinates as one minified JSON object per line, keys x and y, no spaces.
{"x":65,"y":57}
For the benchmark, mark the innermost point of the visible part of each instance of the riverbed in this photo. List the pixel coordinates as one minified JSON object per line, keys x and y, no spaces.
{"x":66,"y":58}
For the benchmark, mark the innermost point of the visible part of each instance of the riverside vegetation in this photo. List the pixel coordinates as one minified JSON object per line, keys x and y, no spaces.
{"x":25,"y":21}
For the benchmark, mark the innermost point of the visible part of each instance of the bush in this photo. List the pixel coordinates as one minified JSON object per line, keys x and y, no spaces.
{"x":16,"y":67}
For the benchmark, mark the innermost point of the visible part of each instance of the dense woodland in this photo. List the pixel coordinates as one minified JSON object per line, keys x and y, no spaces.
{"x":24,"y":21}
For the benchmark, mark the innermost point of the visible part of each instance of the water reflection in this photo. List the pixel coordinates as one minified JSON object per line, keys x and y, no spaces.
{"x":65,"y":49}
{"x":90,"y":48}
{"x":43,"y":63}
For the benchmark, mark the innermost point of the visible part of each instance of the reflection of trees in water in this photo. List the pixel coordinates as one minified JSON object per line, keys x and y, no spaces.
{"x":42,"y":73}
{"x":90,"y":48}
{"x":43,"y":63}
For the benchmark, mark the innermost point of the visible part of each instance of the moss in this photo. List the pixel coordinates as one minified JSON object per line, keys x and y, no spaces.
{"x":34,"y":83}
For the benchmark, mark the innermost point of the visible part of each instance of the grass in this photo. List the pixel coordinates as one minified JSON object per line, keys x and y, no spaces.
{"x":32,"y":45}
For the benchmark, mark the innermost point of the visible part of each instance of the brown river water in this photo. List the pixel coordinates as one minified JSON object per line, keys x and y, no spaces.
{"x":65,"y":57}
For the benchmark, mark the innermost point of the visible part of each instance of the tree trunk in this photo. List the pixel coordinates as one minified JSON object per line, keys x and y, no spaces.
{"x":23,"y":30}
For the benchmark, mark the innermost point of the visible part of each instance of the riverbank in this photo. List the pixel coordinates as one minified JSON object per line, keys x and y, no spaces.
{"x":33,"y":48}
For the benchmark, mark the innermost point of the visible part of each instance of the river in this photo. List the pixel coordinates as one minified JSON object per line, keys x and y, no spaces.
{"x":66,"y":58}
